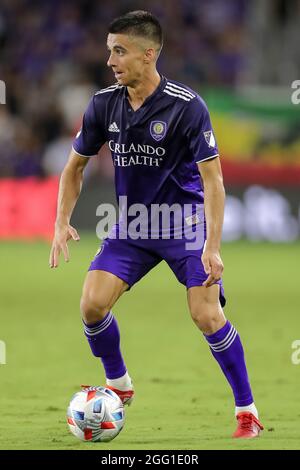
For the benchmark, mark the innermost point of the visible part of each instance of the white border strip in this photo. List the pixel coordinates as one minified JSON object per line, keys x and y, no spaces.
{"x":208,"y":158}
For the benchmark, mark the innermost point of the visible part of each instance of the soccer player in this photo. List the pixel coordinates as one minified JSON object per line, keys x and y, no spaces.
{"x":164,"y":152}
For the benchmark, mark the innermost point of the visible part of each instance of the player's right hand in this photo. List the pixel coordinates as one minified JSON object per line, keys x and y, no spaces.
{"x":59,"y":244}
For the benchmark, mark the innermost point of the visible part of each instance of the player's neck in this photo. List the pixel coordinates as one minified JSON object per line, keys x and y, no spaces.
{"x":143,"y":89}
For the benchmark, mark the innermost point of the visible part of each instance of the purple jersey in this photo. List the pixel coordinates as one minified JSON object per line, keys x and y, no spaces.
{"x":155,"y":150}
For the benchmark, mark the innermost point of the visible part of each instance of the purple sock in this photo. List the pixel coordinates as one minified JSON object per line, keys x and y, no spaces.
{"x":227,"y":349}
{"x":104,"y":340}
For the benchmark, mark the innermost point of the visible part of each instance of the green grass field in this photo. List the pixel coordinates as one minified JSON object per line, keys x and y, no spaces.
{"x":182,"y":399}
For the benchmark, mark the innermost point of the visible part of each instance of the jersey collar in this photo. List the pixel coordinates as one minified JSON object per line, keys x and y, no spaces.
{"x":156,"y":92}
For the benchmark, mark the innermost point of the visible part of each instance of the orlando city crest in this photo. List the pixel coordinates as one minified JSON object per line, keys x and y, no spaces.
{"x":158,"y":130}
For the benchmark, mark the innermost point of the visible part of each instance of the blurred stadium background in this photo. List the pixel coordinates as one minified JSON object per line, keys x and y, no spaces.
{"x":242,"y":57}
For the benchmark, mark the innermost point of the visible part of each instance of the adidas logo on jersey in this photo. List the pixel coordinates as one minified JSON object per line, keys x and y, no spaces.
{"x":113,"y":127}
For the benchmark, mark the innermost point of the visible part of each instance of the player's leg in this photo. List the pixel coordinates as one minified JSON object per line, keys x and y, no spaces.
{"x":227,"y":349}
{"x":101,"y":290}
{"x":205,"y":304}
{"x":223,"y":339}
{"x":117,"y":266}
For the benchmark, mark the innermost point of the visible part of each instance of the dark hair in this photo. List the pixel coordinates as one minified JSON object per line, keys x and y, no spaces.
{"x":138,"y":23}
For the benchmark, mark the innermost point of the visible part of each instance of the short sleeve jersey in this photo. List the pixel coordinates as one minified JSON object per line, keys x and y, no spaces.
{"x":155,"y":150}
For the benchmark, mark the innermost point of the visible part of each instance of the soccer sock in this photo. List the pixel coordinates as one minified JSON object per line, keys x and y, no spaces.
{"x":123,"y":383}
{"x":227,"y":349}
{"x":104,"y":340}
{"x":250,"y":409}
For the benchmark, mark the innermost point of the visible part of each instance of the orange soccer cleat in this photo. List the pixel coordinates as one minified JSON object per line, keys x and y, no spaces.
{"x":248,"y":426}
{"x":125,"y":396}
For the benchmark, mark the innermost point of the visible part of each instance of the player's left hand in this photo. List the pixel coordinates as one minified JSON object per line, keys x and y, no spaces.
{"x":213,"y":266}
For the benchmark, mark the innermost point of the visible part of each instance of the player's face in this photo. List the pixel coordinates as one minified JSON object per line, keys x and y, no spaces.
{"x":127,"y":58}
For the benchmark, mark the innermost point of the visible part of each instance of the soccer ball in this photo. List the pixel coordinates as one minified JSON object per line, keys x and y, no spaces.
{"x":95,"y":414}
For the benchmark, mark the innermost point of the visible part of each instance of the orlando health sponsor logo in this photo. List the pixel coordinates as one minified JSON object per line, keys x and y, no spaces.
{"x":136,"y":154}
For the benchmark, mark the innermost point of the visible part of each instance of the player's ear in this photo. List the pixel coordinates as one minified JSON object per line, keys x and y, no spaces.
{"x":149,"y":55}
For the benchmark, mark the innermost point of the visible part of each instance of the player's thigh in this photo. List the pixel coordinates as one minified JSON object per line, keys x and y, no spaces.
{"x":101,"y":290}
{"x":203,"y":296}
{"x":187,"y":266}
{"x":127,"y":259}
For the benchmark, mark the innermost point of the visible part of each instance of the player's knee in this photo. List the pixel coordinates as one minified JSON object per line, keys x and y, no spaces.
{"x":200,"y":317}
{"x":208,"y":318}
{"x":93,"y":308}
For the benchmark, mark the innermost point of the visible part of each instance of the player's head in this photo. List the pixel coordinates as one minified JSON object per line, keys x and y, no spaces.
{"x":135,"y":41}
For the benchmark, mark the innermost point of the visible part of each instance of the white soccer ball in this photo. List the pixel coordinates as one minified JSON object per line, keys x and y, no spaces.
{"x":95,"y":414}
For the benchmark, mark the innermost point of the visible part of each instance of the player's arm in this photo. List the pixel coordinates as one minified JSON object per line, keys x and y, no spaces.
{"x":87,"y":144}
{"x":214,"y":201}
{"x":69,"y":191}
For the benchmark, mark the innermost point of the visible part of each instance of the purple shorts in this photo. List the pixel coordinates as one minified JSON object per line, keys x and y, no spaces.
{"x":131,"y":259}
